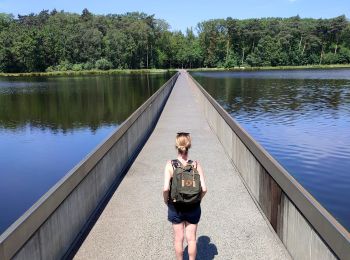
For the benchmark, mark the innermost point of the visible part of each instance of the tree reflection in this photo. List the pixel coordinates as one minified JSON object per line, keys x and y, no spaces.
{"x":65,"y":104}
{"x":277,"y":96}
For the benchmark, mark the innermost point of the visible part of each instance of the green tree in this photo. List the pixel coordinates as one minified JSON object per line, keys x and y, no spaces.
{"x":103,"y":64}
{"x":118,"y":48}
{"x":267,"y":53}
{"x":60,"y":40}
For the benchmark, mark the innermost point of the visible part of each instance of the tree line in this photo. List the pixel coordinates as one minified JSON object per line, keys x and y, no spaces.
{"x":58,"y":40}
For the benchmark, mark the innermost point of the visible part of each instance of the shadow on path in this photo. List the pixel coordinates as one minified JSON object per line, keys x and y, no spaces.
{"x":205,"y":249}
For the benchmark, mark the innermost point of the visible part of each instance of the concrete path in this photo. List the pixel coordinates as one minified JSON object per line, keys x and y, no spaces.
{"x":134,"y":223}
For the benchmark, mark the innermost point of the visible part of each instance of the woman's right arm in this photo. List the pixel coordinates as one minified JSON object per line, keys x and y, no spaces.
{"x":167,"y":177}
{"x":202,"y":178}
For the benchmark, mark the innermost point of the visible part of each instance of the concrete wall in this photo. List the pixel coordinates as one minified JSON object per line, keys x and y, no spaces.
{"x":49,"y":228}
{"x":307,"y":230}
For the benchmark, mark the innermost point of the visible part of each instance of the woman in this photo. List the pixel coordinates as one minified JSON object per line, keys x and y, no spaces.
{"x":184,"y":219}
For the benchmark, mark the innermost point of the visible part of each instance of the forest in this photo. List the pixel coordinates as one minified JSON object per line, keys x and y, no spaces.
{"x":60,"y":41}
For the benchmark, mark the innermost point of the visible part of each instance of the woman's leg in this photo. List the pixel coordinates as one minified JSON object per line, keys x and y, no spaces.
{"x":178,"y":240}
{"x":191,"y":233}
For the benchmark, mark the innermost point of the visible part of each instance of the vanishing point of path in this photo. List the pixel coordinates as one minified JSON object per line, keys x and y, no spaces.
{"x":134,"y":223}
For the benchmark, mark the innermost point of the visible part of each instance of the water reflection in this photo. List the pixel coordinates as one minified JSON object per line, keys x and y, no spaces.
{"x":278,"y":97}
{"x":303,"y":123}
{"x":65,"y":104}
{"x":47,"y":125}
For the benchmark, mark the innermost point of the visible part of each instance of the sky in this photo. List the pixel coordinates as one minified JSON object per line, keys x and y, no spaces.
{"x":181,"y":14}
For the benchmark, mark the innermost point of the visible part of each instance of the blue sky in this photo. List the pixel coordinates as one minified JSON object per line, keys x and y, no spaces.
{"x":181,"y":14}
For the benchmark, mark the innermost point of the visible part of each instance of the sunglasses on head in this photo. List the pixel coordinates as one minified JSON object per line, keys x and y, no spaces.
{"x":182,"y":133}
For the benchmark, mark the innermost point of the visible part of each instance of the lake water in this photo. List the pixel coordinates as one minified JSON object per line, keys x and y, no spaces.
{"x":48,"y":125}
{"x":302,"y":118}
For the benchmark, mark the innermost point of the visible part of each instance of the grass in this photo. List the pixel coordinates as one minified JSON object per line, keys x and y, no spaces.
{"x":84,"y":72}
{"x":138,"y":71}
{"x":333,"y":66}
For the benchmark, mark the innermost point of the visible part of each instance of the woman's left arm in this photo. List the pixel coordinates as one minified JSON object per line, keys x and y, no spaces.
{"x":167,"y":177}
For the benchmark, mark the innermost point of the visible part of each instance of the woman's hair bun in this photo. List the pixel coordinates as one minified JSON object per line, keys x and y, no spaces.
{"x":183,"y":142}
{"x":182,"y":148}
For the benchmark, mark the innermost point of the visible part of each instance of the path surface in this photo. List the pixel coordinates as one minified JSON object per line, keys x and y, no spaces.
{"x":134,"y":225}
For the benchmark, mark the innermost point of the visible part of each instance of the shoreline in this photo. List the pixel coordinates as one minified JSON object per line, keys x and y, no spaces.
{"x":154,"y":71}
{"x":302,"y":67}
{"x":86,"y":72}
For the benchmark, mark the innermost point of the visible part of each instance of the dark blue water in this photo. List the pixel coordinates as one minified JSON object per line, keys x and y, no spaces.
{"x":48,"y":125}
{"x":302,"y":118}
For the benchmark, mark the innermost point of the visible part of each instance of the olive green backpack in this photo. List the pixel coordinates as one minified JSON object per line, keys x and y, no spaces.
{"x":185,"y":186}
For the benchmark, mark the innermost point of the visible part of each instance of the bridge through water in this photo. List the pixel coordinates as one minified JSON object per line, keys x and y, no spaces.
{"x":253,"y":208}
{"x":134,"y":223}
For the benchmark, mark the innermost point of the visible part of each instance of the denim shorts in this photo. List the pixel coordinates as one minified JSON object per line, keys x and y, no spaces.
{"x":176,"y":214}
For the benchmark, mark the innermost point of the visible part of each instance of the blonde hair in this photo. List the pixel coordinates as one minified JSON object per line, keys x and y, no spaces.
{"x":183,"y":142}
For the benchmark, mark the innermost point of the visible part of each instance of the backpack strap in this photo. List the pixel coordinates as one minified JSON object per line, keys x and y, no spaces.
{"x":175,"y":163}
{"x":194,"y":167}
{"x":193,"y":164}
